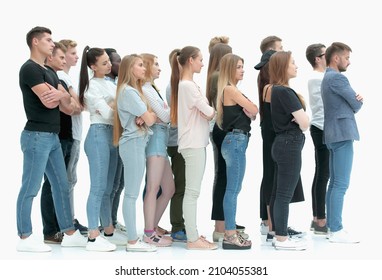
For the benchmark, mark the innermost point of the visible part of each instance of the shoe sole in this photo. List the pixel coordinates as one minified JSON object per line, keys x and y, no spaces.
{"x":179,"y":240}
{"x":320,"y":232}
{"x":290,"y":248}
{"x":214,"y":248}
{"x":141,"y":250}
{"x":235,"y":247}
{"x":51,"y":242}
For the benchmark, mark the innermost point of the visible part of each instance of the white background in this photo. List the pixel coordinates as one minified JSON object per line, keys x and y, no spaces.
{"x":158,"y":27}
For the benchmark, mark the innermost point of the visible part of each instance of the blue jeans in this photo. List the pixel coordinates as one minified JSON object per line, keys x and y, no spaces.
{"x":119,"y":184}
{"x":233,"y":151}
{"x":286,"y":152}
{"x":48,"y":213}
{"x":133,"y":156}
{"x":340,"y":165}
{"x":103,"y":158}
{"x":42,"y":153}
{"x":71,"y":170}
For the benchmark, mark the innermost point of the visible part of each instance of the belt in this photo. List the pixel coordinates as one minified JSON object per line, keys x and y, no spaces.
{"x":236,"y":130}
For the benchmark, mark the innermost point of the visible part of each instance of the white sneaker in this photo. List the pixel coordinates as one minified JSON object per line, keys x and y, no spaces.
{"x":264,"y":229}
{"x":291,"y":244}
{"x":74,"y":240}
{"x":140,"y":246}
{"x":30,"y":244}
{"x":117,"y":238}
{"x":342,"y":236}
{"x":100,"y":244}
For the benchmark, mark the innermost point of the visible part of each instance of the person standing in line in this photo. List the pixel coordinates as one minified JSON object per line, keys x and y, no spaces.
{"x":191,"y":113}
{"x":268,"y":46}
{"x":234,"y":115}
{"x":289,"y":122}
{"x":158,"y":169}
{"x":271,"y":42}
{"x":217,"y":40}
{"x":132,"y":120}
{"x":178,"y":231}
{"x":315,"y":54}
{"x":268,"y":135}
{"x":51,"y":229}
{"x":216,"y":137}
{"x":43,"y":99}
{"x":97,"y":95}
{"x":119,"y":184}
{"x":341,"y":102}
{"x":71,"y":58}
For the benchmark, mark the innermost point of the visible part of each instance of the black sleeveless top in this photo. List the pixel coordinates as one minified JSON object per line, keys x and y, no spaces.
{"x":235,"y":118}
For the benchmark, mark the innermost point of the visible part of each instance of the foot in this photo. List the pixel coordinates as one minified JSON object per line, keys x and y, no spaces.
{"x":140,"y":246}
{"x":342,"y":236}
{"x":201,"y":244}
{"x":30,"y":244}
{"x":54,"y":238}
{"x":100,"y":244}
{"x":81,"y":228}
{"x":179,"y":236}
{"x":236,"y":242}
{"x":74,"y":240}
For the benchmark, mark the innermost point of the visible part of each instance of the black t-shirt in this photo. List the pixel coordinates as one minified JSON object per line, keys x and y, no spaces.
{"x":284,"y":102}
{"x":39,"y":117}
{"x":65,"y":121}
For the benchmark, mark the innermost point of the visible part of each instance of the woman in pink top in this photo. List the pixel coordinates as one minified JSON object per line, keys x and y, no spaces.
{"x":191,"y":113}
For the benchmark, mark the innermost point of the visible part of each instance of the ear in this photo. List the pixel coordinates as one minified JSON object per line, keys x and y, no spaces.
{"x":93,"y":67}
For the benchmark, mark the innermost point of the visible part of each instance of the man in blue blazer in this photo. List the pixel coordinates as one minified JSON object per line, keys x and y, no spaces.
{"x":341,"y":102}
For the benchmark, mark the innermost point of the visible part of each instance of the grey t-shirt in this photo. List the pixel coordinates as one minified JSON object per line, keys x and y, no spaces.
{"x":130,"y":105}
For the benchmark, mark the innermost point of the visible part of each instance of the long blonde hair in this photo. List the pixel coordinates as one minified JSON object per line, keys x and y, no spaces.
{"x":227,"y":76}
{"x":126,"y":78}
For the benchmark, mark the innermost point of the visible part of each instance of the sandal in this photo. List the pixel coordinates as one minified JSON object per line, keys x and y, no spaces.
{"x":236,"y":242}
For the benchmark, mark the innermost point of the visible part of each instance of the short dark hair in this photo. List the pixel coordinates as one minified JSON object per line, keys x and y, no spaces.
{"x":109,"y":51}
{"x":36,"y":32}
{"x":313,"y":51}
{"x":269,"y":43}
{"x":335,"y":48}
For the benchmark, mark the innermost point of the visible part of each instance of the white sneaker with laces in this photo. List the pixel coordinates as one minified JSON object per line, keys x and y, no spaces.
{"x":100,"y":244}
{"x":264,"y":229}
{"x":74,"y":240}
{"x":342,"y":236}
{"x":140,"y":246}
{"x":117,"y":238}
{"x":30,"y":244}
{"x":291,"y":244}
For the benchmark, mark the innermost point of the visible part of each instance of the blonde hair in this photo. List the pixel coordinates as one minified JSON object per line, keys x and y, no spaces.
{"x":227,"y":77}
{"x":217,"y":39}
{"x":127,"y":78}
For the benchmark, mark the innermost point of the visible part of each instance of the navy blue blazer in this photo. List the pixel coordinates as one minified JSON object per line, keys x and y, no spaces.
{"x":340,"y":105}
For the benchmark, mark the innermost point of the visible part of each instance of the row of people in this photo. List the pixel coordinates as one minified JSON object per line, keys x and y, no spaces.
{"x":129,"y":132}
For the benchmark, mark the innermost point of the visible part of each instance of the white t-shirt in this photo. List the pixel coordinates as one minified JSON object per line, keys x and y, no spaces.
{"x":76,"y":119}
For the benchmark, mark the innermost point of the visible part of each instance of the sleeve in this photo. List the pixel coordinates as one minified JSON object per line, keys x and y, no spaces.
{"x":200,"y":101}
{"x":290,"y":101}
{"x":341,"y":86}
{"x":158,"y":106}
{"x":97,"y":103}
{"x":32,"y":75}
{"x":132,"y":102}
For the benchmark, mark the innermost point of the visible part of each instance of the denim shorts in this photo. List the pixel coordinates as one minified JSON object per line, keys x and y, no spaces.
{"x":157,"y":145}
